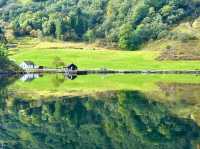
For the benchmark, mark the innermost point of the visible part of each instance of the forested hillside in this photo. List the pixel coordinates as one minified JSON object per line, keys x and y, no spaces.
{"x":125,"y":23}
{"x":5,"y":64}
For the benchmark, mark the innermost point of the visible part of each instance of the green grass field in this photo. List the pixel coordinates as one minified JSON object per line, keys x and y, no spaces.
{"x":44,"y":53}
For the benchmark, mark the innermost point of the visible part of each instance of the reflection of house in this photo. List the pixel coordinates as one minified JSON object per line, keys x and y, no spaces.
{"x":29,"y":77}
{"x":71,"y":77}
{"x":28,"y":65}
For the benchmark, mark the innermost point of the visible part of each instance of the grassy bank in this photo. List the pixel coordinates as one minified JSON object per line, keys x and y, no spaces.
{"x":86,"y":57}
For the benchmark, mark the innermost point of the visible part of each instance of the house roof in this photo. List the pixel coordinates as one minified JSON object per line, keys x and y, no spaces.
{"x":29,"y":62}
{"x":71,"y":65}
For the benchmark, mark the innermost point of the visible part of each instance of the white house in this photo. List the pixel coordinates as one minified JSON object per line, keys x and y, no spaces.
{"x":28,"y":65}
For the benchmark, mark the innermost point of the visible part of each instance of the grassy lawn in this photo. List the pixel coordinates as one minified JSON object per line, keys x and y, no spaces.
{"x":44,"y":53}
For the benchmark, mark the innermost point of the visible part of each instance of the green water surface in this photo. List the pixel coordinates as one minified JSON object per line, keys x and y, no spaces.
{"x":100,"y":112}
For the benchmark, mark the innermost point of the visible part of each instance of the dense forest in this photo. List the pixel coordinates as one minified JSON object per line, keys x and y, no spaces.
{"x":5,"y":64}
{"x":3,"y":49}
{"x":124,"y":23}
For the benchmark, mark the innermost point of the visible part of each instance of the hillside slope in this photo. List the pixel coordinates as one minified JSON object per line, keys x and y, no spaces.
{"x":123,"y":23}
{"x":183,"y":42}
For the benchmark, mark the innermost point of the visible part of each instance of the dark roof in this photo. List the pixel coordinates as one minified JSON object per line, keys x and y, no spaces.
{"x":29,"y":62}
{"x":73,"y":66}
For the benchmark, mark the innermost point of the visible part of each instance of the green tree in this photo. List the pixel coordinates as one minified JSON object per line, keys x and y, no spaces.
{"x":59,"y":30}
{"x":126,"y":36}
{"x":3,"y":41}
{"x":3,"y":50}
{"x":79,"y":22}
{"x":57,"y":62}
{"x":90,"y":36}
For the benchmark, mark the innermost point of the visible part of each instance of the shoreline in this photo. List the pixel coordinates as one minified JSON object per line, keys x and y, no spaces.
{"x":87,"y":72}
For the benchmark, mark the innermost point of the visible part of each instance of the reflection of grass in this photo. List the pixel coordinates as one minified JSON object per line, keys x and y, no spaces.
{"x":45,"y":53}
{"x":24,"y":1}
{"x":92,"y":83}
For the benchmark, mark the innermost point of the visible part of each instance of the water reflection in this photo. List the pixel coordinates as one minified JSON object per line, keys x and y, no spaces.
{"x":111,"y":120}
{"x":68,"y":76}
{"x":71,"y":76}
{"x":32,"y":76}
{"x":122,"y":119}
{"x":6,"y":80}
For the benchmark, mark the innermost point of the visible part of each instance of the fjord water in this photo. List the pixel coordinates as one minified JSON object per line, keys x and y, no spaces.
{"x":120,"y":111}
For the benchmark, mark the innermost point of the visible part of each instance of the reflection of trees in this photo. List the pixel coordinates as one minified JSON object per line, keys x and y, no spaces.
{"x":4,"y":82}
{"x":3,"y":98}
{"x":109,"y":120}
{"x":58,"y":80}
{"x":154,"y":123}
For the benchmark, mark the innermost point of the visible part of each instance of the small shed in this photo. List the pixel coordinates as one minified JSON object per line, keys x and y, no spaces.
{"x":28,"y":65}
{"x":41,"y":67}
{"x":71,"y":67}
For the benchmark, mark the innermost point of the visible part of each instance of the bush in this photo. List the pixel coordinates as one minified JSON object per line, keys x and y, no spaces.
{"x":57,"y":62}
{"x":89,"y":36}
{"x":3,"y":50}
{"x":183,"y":37}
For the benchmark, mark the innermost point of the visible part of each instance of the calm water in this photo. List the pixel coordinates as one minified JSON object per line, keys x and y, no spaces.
{"x":57,"y":112}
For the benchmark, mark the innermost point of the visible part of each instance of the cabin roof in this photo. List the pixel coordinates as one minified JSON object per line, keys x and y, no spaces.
{"x":29,"y":62}
{"x":71,"y":66}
